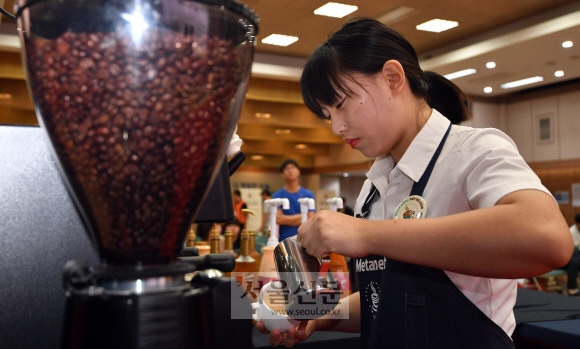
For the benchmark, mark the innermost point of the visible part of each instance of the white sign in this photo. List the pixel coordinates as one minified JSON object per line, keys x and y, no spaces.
{"x":253,"y":199}
{"x":321,"y":196}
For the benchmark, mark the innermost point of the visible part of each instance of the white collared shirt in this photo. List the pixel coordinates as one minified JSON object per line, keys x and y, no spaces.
{"x":476,"y":168}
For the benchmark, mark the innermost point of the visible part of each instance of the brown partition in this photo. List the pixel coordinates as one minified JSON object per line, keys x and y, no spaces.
{"x":559,"y":176}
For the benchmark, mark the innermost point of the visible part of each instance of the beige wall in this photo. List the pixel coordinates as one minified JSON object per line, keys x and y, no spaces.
{"x":485,"y":115}
{"x":522,"y":127}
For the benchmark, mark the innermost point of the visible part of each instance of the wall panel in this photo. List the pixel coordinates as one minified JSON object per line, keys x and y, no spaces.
{"x":569,"y":122}
{"x":545,"y":108}
{"x":519,"y":127}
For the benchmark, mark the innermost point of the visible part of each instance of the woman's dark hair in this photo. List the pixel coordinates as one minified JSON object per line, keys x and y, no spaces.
{"x":363,"y":45}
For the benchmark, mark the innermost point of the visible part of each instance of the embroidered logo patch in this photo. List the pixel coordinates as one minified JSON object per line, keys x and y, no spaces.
{"x":372,"y":293}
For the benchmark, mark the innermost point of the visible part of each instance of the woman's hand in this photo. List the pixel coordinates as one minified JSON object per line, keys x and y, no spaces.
{"x":293,"y":336}
{"x":330,"y":231}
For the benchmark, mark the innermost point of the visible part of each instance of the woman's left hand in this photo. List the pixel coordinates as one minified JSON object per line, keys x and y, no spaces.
{"x":330,"y":231}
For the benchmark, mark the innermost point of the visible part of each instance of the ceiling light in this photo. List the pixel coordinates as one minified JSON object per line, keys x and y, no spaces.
{"x":460,"y":73}
{"x":333,"y":9}
{"x":490,"y":65}
{"x":5,"y":96}
{"x":257,"y":157}
{"x":437,"y":25}
{"x":282,"y":132}
{"x":301,"y":146}
{"x":522,"y":82}
{"x":559,"y":73}
{"x":487,"y":89}
{"x":279,"y":40}
{"x":567,"y":44}
{"x":345,"y":174}
{"x":263,"y":115}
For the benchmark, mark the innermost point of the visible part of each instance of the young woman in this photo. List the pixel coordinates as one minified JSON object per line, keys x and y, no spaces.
{"x":446,"y":280}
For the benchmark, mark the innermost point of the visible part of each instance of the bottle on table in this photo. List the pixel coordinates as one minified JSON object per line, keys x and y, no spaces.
{"x":190,"y":239}
{"x":253,"y":252}
{"x":202,"y":248}
{"x":245,"y":266}
{"x":229,"y":243}
{"x":214,"y":241}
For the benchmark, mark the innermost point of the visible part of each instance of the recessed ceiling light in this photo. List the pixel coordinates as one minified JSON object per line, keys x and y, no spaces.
{"x":5,"y":96}
{"x":567,"y":44}
{"x":257,"y":157}
{"x":334,"y":9}
{"x":559,"y":73}
{"x":437,"y":25}
{"x":263,"y":115}
{"x":460,"y":73}
{"x":279,"y":40}
{"x":345,"y":174}
{"x":522,"y":82}
{"x":490,"y":65}
{"x":488,"y":89}
{"x":301,"y":146}
{"x":282,"y":132}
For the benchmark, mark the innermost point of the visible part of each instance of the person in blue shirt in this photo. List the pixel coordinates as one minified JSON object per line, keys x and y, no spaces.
{"x":290,"y":219}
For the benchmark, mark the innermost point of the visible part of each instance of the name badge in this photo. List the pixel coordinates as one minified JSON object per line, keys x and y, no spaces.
{"x":413,"y":207}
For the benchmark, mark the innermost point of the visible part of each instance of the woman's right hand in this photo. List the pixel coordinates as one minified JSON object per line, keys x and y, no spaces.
{"x":294,"y":335}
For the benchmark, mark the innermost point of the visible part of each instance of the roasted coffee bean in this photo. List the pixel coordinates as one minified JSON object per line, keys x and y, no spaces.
{"x":138,"y":130}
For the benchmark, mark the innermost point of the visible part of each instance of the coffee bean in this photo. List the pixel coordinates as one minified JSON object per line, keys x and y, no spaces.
{"x":138,"y":131}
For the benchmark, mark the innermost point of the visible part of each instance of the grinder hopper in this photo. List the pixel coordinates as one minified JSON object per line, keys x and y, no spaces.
{"x":139,"y":99}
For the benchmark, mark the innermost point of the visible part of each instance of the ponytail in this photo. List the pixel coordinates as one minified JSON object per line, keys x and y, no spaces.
{"x":446,"y":97}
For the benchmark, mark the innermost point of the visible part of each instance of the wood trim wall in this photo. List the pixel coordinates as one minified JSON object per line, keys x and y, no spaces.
{"x":546,"y":165}
{"x":559,"y":176}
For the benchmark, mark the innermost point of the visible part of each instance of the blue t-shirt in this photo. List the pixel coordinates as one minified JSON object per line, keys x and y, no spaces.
{"x":287,"y":231}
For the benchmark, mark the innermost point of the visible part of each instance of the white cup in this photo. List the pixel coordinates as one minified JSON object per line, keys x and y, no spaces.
{"x":270,"y":318}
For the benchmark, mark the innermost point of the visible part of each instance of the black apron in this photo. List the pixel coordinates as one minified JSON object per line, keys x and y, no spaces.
{"x":405,"y":306}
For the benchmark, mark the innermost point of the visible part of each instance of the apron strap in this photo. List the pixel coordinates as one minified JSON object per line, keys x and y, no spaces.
{"x":419,"y":187}
{"x":366,"y":207}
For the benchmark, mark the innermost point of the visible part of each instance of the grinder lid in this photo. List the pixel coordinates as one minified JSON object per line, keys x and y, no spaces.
{"x":236,"y":7}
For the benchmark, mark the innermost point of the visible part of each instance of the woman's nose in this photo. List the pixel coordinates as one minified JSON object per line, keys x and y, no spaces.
{"x":338,"y":127}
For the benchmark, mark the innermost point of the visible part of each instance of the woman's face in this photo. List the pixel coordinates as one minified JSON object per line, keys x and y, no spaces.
{"x":371,"y":119}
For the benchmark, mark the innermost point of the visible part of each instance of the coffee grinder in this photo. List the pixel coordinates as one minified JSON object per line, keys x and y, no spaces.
{"x":139,"y":99}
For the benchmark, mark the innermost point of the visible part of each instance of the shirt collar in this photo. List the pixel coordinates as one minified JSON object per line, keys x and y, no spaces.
{"x":419,"y":154}
{"x":420,"y":151}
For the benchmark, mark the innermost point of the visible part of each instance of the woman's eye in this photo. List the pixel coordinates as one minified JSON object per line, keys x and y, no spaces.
{"x":339,"y":105}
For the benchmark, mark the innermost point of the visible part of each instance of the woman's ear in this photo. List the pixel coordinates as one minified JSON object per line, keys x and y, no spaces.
{"x":394,"y":73}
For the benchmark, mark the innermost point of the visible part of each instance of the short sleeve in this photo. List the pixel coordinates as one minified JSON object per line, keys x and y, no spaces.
{"x":494,"y":168}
